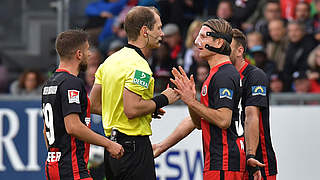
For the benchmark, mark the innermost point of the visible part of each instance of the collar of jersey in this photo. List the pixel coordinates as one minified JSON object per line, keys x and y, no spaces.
{"x":219,"y":65}
{"x":138,"y":50}
{"x":243,"y":67}
{"x":62,"y":70}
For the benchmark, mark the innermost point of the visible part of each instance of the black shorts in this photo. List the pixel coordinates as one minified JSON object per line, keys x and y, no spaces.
{"x":137,"y":162}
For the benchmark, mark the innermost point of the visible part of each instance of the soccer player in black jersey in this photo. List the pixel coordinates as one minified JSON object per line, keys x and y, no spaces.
{"x":217,"y":114}
{"x":255,"y":113}
{"x":66,"y":113}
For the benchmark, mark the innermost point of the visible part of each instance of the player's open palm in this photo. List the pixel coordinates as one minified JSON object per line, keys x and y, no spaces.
{"x":116,"y":150}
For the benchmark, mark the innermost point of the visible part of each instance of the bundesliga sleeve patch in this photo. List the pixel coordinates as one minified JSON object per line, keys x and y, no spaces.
{"x":141,"y":78}
{"x":259,"y":90}
{"x":73,"y":96}
{"x":225,"y":93}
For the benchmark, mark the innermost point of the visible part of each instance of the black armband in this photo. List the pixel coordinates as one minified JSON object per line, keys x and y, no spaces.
{"x":160,"y":101}
{"x":251,"y":169}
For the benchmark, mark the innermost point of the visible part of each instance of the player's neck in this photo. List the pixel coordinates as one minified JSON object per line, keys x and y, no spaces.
{"x":70,"y":67}
{"x":142,"y":46}
{"x":239,"y":63}
{"x":217,"y":59}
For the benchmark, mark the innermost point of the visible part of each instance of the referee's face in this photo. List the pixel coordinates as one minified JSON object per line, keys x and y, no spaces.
{"x":155,"y":35}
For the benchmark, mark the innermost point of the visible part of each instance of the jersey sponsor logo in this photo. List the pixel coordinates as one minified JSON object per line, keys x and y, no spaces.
{"x":225,"y":93}
{"x":141,"y":78}
{"x":50,"y":90}
{"x":73,"y":96}
{"x":259,"y":90}
{"x":53,"y":156}
{"x":204,"y":90}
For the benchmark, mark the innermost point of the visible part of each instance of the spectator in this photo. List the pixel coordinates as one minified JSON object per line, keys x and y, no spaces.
{"x":297,"y":53}
{"x":271,"y":12}
{"x":302,"y":14}
{"x":288,"y":8}
{"x":172,"y":37}
{"x":3,"y":77}
{"x":95,"y":58}
{"x":276,"y":83}
{"x":314,"y":71}
{"x":301,"y":83}
{"x":254,"y":39}
{"x":224,"y":11}
{"x":29,"y":83}
{"x":192,"y":33}
{"x":278,"y":45}
{"x":262,"y":62}
{"x":202,"y":73}
{"x":316,"y":21}
{"x":161,"y":67}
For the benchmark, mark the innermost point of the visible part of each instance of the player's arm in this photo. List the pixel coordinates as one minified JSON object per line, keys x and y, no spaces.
{"x":251,"y":132}
{"x":76,"y":128}
{"x":45,"y":135}
{"x":182,"y":131}
{"x":195,"y":118}
{"x":220,"y":117}
{"x":95,"y":99}
{"x":135,"y":106}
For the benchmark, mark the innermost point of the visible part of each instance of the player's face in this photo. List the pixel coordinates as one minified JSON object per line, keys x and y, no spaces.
{"x":233,"y":55}
{"x":156,"y":34}
{"x":84,"y":60}
{"x":201,"y":40}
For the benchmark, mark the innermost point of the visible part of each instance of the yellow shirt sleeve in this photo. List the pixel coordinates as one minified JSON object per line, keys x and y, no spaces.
{"x":98,"y":75}
{"x":137,"y":81}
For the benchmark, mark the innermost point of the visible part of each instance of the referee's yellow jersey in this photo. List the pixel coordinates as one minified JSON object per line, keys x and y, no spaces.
{"x":127,"y":68}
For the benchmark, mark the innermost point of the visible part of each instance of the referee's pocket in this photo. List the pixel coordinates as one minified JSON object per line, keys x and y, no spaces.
{"x":129,"y":146}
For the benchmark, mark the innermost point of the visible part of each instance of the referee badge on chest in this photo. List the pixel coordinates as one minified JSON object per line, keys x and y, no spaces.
{"x":204,"y":90}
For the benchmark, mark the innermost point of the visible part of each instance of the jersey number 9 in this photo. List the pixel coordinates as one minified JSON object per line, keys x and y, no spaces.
{"x":48,"y":119}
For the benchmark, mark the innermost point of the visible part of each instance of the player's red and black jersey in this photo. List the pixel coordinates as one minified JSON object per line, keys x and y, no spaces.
{"x":64,"y":94}
{"x":256,"y":93}
{"x":223,"y":148}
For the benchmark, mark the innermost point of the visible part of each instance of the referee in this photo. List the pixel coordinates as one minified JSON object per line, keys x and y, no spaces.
{"x":123,"y":94}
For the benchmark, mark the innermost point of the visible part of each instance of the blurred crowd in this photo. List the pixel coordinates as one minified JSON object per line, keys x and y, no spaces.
{"x":283,"y":40}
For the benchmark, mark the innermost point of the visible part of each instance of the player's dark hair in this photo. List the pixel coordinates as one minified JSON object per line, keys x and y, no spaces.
{"x":223,"y":27}
{"x":137,"y":17}
{"x":68,"y":42}
{"x":240,"y":39}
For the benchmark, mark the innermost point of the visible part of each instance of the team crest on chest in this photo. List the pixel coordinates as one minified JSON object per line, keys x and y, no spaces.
{"x":204,"y":90}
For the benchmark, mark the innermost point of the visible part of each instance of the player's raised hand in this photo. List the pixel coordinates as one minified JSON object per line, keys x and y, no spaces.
{"x":116,"y":150}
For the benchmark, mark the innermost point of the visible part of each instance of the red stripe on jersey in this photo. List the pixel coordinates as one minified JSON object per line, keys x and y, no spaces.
{"x":240,"y":143}
{"x":225,"y":153}
{"x":206,"y":143}
{"x":263,"y":145}
{"x":46,"y":171}
{"x":52,"y":168}
{"x":87,"y":145}
{"x":75,"y":168}
{"x":242,"y":69}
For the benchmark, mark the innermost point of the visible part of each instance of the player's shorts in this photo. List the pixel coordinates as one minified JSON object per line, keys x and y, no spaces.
{"x":137,"y":162}
{"x":223,"y":175}
{"x":273,"y":177}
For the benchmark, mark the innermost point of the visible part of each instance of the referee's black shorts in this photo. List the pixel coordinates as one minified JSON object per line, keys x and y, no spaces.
{"x":137,"y":162}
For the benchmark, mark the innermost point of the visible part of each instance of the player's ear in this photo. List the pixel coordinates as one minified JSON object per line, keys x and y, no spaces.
{"x":78,"y":54}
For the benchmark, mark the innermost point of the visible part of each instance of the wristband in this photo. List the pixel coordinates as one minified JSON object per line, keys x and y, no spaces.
{"x":161,"y":101}
{"x":250,"y":156}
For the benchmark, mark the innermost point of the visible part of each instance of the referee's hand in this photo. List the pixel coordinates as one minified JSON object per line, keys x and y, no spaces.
{"x":116,"y":150}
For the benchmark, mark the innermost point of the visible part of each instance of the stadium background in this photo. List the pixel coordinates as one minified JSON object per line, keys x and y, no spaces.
{"x":27,"y":32}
